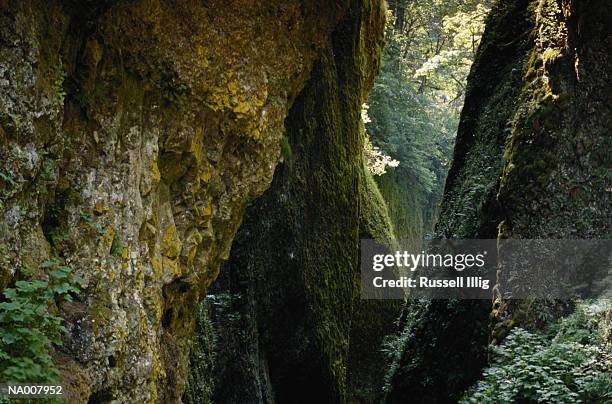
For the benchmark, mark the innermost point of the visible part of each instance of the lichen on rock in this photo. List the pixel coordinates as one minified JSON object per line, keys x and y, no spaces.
{"x":289,"y":319}
{"x":133,"y":134}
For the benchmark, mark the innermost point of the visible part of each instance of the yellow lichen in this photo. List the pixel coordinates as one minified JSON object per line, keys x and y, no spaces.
{"x":205,"y":176}
{"x":171,"y":244}
{"x":156,"y":175}
{"x":99,"y":208}
{"x":242,"y":108}
{"x":171,"y":265}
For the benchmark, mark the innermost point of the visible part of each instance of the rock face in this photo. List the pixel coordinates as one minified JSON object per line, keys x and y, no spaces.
{"x":289,"y":324}
{"x":132,"y":136}
{"x":532,"y":160}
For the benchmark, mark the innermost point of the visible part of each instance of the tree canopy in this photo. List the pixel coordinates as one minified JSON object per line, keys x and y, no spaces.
{"x":414,"y":107}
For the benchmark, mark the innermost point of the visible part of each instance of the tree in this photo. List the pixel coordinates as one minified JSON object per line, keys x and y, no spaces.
{"x":416,"y":100}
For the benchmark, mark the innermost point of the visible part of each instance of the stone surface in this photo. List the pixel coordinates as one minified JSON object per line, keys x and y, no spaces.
{"x":290,"y":325}
{"x":133,"y":134}
{"x":532,"y":160}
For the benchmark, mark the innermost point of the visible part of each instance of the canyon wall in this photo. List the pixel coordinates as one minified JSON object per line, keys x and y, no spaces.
{"x":288,"y":320}
{"x":532,"y":160}
{"x":133,"y":134}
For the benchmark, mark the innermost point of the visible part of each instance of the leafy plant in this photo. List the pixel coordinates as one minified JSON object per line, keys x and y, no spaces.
{"x":573,"y":365}
{"x":58,"y":235}
{"x":377,"y":162}
{"x":48,"y":170}
{"x":28,"y":329}
{"x":8,"y":179}
{"x":416,"y":99}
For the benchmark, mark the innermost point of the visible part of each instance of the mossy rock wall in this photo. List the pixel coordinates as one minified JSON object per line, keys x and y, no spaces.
{"x":405,"y":208}
{"x":132,"y":136}
{"x":291,"y":283}
{"x":373,"y":320}
{"x":532,"y":160}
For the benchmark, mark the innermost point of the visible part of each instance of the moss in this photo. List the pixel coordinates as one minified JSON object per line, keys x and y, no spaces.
{"x":372,"y":320}
{"x":443,"y":343}
{"x":5,"y":274}
{"x":403,"y":205}
{"x":200,"y":383}
{"x":193,"y":126}
{"x":48,"y":170}
{"x":58,"y":81}
{"x":7,"y":125}
{"x":286,"y":149}
{"x":519,"y":125}
{"x":549,"y":56}
{"x":116,"y":248}
{"x":305,"y":230}
{"x":375,"y":221}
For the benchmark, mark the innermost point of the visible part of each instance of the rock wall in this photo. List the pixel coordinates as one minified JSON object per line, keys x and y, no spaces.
{"x":532,"y":160}
{"x":289,"y":322}
{"x":132,"y":136}
{"x":404,"y":205}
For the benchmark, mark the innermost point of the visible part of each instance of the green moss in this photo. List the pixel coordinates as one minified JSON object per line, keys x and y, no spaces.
{"x":200,"y":383}
{"x":89,"y":99}
{"x":7,"y":124}
{"x":58,"y":235}
{"x":443,"y":345}
{"x":372,"y":320}
{"x":5,"y":273}
{"x":520,"y":150}
{"x":48,"y":170}
{"x":374,"y":221}
{"x":286,"y":149}
{"x":58,"y":81}
{"x":116,"y":246}
{"x":550,"y":55}
{"x":305,"y":233}
{"x":403,"y":204}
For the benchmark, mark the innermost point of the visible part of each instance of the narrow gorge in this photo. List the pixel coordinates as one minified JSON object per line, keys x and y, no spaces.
{"x":185,"y":185}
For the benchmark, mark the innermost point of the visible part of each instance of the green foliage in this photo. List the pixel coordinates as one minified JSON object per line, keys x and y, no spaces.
{"x":90,"y":97}
{"x":446,"y":69}
{"x":374,"y":220}
{"x":87,"y":218}
{"x":27,"y":327}
{"x":571,"y":364}
{"x":392,"y":349}
{"x":9,"y":186}
{"x":403,"y":126}
{"x":8,"y":179}
{"x":404,"y":205}
{"x":376,"y":162}
{"x":415,"y":103}
{"x":58,"y":236}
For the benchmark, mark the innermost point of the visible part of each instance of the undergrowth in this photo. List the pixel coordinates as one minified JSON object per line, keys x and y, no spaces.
{"x":28,"y":328}
{"x":572,"y":363}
